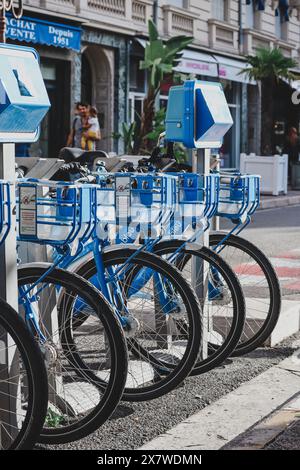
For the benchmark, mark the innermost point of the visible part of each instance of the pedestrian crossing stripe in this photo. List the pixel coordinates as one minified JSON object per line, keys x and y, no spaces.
{"x":287,"y":267}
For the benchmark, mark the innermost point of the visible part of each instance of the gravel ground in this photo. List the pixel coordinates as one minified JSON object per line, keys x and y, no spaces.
{"x":134,"y":424}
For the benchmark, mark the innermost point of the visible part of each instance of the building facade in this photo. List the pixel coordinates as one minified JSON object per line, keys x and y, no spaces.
{"x":92,"y":49}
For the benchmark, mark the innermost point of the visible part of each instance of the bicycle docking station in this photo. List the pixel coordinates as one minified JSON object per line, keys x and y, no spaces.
{"x":23,"y":104}
{"x":198,"y":117}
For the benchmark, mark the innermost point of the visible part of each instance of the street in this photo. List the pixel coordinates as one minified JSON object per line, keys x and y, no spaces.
{"x":276,"y":232}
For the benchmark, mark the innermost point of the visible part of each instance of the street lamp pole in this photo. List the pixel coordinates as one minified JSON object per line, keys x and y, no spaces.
{"x":7,"y":5}
{"x":241,"y":39}
{"x":155,"y":11}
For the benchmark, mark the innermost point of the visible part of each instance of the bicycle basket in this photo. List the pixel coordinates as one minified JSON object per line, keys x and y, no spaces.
{"x":239,"y":195}
{"x":55,"y":213}
{"x":197,"y":199}
{"x":135,"y":203}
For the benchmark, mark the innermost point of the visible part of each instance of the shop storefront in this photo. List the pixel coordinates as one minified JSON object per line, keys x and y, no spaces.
{"x":78,"y":64}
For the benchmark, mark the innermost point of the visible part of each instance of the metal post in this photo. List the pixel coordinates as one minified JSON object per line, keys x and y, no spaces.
{"x":2,"y":24}
{"x":9,"y":365}
{"x":155,"y":11}
{"x":201,"y":165}
{"x":215,"y":165}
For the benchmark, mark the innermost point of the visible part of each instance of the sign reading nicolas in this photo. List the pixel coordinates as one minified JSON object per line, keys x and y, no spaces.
{"x":43,"y":32}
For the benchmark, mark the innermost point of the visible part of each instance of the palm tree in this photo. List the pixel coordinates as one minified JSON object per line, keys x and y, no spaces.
{"x":268,"y":66}
{"x":159,"y":60}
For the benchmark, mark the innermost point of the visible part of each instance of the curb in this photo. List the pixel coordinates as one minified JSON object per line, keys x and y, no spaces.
{"x":220,"y":424}
{"x":279,"y":201}
{"x":265,"y":432}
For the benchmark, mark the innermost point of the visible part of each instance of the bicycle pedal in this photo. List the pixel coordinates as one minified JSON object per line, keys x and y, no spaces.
{"x":131,"y":327}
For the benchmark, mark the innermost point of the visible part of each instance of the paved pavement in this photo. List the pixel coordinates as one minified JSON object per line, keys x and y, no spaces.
{"x":225,"y":423}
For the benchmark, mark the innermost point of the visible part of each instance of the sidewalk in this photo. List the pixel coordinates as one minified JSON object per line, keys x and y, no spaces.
{"x":289,"y":199}
{"x":249,"y":418}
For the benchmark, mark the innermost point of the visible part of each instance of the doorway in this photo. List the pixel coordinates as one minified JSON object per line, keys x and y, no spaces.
{"x":97,"y":89}
{"x":56,"y":124}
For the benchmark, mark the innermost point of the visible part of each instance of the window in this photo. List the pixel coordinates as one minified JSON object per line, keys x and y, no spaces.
{"x":135,"y":108}
{"x":137,"y":76}
{"x":281,"y":24}
{"x":250,"y":13}
{"x":177,"y":3}
{"x":278,"y":24}
{"x":220,"y":10}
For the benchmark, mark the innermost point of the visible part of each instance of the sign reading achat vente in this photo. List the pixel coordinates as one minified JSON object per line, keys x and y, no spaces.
{"x":43,"y":32}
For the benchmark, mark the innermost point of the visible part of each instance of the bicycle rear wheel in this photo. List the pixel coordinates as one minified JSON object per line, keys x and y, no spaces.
{"x":157,"y":299}
{"x":78,"y":405}
{"x":23,"y":383}
{"x":260,"y":285}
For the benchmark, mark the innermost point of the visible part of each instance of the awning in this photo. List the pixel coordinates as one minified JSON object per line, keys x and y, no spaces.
{"x":195,"y":62}
{"x":230,"y":69}
{"x":294,"y":84}
{"x":198,"y":63}
{"x":38,"y":31}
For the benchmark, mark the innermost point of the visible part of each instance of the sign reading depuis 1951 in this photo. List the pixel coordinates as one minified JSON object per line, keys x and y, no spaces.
{"x":43,"y":32}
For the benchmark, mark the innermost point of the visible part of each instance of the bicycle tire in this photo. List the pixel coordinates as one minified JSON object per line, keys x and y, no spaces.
{"x":71,"y":358}
{"x":266,"y":327}
{"x":32,"y":361}
{"x":219,"y":355}
{"x":177,"y":373}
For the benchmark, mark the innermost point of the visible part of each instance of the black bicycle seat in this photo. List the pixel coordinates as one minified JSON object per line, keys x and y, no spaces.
{"x":70,"y":154}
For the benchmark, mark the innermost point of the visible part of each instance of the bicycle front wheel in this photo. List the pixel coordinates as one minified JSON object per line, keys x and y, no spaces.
{"x":155,"y":299}
{"x":78,"y":404}
{"x":23,"y":383}
{"x":220,"y":295}
{"x":260,"y":285}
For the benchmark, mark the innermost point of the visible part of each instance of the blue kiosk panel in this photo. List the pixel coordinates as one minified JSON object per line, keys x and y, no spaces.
{"x":23,"y":97}
{"x":198,"y":114}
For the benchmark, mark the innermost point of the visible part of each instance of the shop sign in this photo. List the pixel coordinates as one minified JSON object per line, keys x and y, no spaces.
{"x":38,"y":31}
{"x":198,"y":68}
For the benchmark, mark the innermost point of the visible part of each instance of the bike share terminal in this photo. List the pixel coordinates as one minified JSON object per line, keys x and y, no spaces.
{"x":23,"y":104}
{"x":198,"y":117}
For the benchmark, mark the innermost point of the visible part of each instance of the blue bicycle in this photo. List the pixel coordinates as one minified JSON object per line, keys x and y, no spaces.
{"x":153,"y":207}
{"x":49,"y":299}
{"x":238,"y":200}
{"x":23,"y":376}
{"x":147,"y":306}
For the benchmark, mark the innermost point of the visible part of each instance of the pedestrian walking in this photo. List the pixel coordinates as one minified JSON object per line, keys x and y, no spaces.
{"x":292,"y":147}
{"x":85,"y":131}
